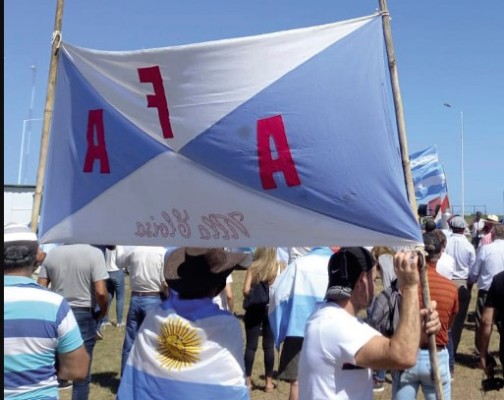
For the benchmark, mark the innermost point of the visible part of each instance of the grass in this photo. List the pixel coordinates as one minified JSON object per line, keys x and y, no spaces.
{"x":107,"y":360}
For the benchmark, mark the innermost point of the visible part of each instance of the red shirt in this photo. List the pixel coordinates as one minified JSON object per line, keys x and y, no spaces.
{"x":445,"y":293}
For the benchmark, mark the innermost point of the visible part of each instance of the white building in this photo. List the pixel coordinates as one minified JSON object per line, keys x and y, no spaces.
{"x":18,"y":203}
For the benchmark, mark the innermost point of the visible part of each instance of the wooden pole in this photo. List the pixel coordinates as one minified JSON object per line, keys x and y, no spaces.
{"x":401,"y":128}
{"x":438,"y":385}
{"x":396,"y":91}
{"x":47,"y":114}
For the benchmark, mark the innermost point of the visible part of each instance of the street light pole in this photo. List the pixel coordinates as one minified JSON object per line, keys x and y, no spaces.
{"x":30,"y":110}
{"x":461,"y":156}
{"x":21,"y":153}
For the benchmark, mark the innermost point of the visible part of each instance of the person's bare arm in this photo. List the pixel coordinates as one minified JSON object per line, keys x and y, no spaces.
{"x":43,"y":278}
{"x":74,"y":365}
{"x":486,"y":325}
{"x":43,"y":281}
{"x":229,"y":296}
{"x":41,"y":255}
{"x":400,"y":351}
{"x":101,"y":294}
{"x":164,"y":290}
{"x":247,"y":283}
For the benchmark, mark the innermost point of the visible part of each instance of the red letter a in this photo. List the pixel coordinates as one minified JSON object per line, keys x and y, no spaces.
{"x":273,"y":127}
{"x":96,"y":151}
{"x":158,"y":99}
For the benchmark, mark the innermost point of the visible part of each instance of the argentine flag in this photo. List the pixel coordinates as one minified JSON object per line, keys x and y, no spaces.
{"x":186,"y":349}
{"x":296,"y":292}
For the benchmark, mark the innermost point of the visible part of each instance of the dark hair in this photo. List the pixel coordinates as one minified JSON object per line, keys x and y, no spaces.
{"x":20,"y":255}
{"x":441,"y":236}
{"x":432,"y":243}
{"x":498,"y":231}
{"x":430,"y":225}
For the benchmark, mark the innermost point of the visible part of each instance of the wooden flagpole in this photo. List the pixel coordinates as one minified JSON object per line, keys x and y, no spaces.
{"x":401,"y":128}
{"x":48,"y":109}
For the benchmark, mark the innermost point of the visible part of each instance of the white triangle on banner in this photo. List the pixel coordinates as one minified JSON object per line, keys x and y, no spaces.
{"x":200,"y":80}
{"x":215,"y":217}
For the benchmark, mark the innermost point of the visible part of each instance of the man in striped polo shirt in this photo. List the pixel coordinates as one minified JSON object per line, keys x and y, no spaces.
{"x":39,"y":326}
{"x":405,"y":384}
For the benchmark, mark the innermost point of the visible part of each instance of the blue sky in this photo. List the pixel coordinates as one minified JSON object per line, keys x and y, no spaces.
{"x":447,"y":52}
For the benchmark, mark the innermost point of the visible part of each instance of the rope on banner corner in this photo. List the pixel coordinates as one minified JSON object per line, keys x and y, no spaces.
{"x":56,"y":41}
{"x":384,"y":13}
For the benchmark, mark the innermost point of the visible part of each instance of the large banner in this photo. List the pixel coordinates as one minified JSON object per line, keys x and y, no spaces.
{"x":282,"y":139}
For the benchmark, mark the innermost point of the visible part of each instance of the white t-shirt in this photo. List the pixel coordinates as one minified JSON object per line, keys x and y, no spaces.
{"x":477,"y":227}
{"x":111,"y":260}
{"x":145,"y":265}
{"x":221,"y":298}
{"x":327,"y":364}
{"x":446,"y":266}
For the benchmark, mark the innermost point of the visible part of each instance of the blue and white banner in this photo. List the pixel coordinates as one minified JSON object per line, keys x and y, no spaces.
{"x":423,"y":159}
{"x":428,"y":174}
{"x":296,"y":292}
{"x":431,"y":183}
{"x":281,"y":139}
{"x":186,"y":347}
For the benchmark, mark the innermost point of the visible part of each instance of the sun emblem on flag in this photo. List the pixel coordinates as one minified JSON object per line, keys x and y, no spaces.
{"x":179,"y":344}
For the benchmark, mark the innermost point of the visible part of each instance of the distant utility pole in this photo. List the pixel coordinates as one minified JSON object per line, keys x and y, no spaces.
{"x":32,"y":102}
{"x":22,"y":150}
{"x":27,"y":128}
{"x":30,"y":113}
{"x":461,"y":155}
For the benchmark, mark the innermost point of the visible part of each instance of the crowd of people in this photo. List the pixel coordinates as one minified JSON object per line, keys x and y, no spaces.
{"x":317,"y":306}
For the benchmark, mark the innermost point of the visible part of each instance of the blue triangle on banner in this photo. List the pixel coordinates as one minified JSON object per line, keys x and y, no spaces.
{"x":335,"y":112}
{"x":67,"y":188}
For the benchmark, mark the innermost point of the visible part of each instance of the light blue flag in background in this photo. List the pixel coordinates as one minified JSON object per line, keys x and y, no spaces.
{"x":428,"y":174}
{"x":431,"y":183}
{"x":423,"y":158}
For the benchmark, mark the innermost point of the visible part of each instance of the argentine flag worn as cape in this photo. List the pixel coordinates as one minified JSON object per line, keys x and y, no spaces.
{"x":185,"y":350}
{"x":296,"y":292}
{"x":281,"y":139}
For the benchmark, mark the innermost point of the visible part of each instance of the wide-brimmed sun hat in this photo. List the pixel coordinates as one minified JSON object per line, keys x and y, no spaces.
{"x":191,"y":270}
{"x":492,"y":218}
